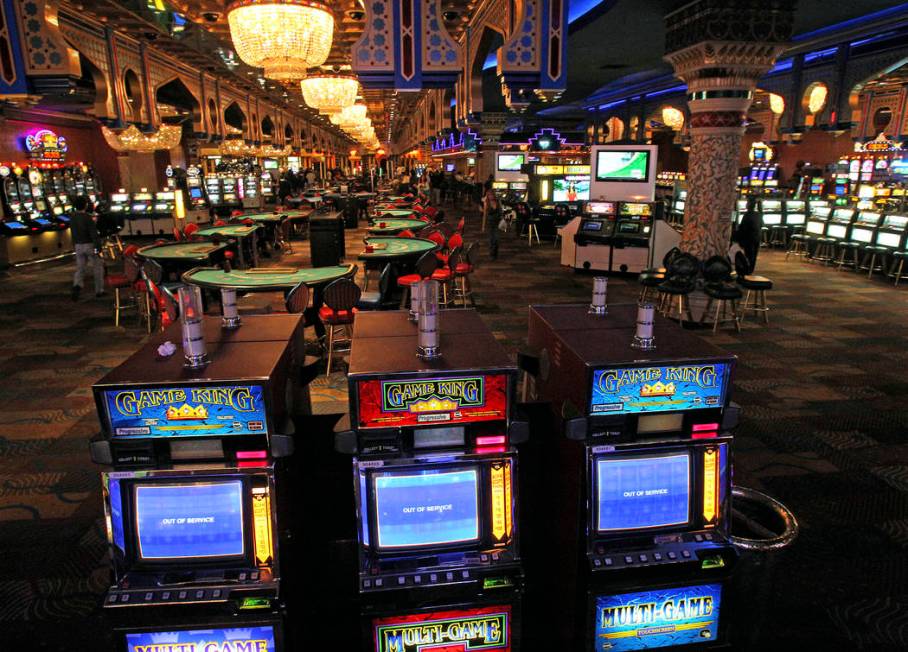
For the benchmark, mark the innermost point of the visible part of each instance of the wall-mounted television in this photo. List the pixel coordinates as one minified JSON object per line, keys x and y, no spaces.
{"x":510,"y":162}
{"x":571,"y":189}
{"x":622,"y":165}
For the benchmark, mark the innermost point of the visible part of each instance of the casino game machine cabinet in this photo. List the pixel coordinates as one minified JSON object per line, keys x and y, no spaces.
{"x":189,"y":500}
{"x":435,"y":481}
{"x":639,"y":477}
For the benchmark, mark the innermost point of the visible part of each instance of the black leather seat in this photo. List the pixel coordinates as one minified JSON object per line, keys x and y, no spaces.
{"x":754,"y":282}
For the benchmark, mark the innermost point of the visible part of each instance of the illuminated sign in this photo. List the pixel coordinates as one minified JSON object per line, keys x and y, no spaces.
{"x":481,"y":628}
{"x":501,"y":501}
{"x":546,"y":170}
{"x":879,"y":144}
{"x":46,"y":146}
{"x":455,"y":399}
{"x":186,"y":411}
{"x":659,"y":389}
{"x":655,"y":619}
{"x":238,"y":639}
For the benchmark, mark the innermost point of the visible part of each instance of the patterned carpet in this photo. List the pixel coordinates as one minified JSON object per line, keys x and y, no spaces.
{"x":823,"y":430}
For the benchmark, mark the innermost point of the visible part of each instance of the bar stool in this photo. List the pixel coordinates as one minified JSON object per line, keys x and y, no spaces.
{"x":717,"y":277}
{"x":898,"y":264}
{"x":755,"y":285}
{"x":825,"y":249}
{"x":874,"y":252}
{"x":465,"y":268}
{"x":778,"y":235}
{"x":764,"y":236}
{"x":798,"y":245}
{"x":846,"y":248}
{"x":338,"y":312}
{"x":532,"y":229}
{"x":680,"y":281}
{"x":424,"y":268}
{"x":445,"y":275}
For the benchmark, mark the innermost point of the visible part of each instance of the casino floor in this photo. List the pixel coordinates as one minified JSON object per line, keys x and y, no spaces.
{"x":822,"y":430}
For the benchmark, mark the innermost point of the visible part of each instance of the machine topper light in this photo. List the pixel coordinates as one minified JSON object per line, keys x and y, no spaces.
{"x":46,"y":146}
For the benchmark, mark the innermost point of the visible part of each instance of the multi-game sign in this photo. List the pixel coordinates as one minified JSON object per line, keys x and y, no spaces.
{"x":656,"y":619}
{"x":46,"y":146}
{"x":240,"y":639}
{"x":629,"y":390}
{"x":466,"y":630}
{"x":422,"y":401}
{"x":203,"y":411}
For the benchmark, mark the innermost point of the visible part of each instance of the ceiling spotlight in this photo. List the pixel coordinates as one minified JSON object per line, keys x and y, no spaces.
{"x":355,"y":14}
{"x":450,"y":14}
{"x":211,"y":16}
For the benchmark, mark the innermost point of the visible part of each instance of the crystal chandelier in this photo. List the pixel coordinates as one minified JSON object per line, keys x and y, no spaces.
{"x":271,"y":151}
{"x":133,"y":140}
{"x":285,"y":37}
{"x":350,"y":116}
{"x":330,"y":93}
{"x":236,"y":147}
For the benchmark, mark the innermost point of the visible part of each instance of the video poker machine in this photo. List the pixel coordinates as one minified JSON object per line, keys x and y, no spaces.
{"x":435,"y":482}
{"x":189,"y":500}
{"x":639,"y":475}
{"x":616,"y":237}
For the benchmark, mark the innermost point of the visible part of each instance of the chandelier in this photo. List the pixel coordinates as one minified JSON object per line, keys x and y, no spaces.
{"x":330,"y":93}
{"x":350,"y":116}
{"x":236,"y":147}
{"x":133,"y":140}
{"x":272,"y":151}
{"x":285,"y":37}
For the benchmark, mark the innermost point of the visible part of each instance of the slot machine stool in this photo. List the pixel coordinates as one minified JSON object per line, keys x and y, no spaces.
{"x":898,"y":264}
{"x":798,"y":246}
{"x":725,"y":296}
{"x":825,"y":249}
{"x":846,"y":248}
{"x":756,"y":286}
{"x":875,"y":255}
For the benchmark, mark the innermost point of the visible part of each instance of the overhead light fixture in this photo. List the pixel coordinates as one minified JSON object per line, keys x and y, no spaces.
{"x":133,"y":140}
{"x":330,"y":93}
{"x":285,"y":37}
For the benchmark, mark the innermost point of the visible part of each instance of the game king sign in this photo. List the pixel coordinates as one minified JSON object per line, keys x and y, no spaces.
{"x":482,"y":628}
{"x":454,"y":399}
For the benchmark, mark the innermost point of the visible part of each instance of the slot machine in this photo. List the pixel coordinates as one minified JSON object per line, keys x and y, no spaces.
{"x":15,"y":218}
{"x":892,"y":233}
{"x":197,"y":197}
{"x":816,"y":187}
{"x":164,"y":207}
{"x":435,"y":478}
{"x":231,"y":192}
{"x":214,"y":191}
{"x":31,"y":185}
{"x":839,"y":224}
{"x":189,"y":495}
{"x":140,"y":217}
{"x":795,"y":214}
{"x":817,"y":221}
{"x":592,"y":236}
{"x":252,"y":196}
{"x":640,"y":490}
{"x":679,"y":202}
{"x":266,"y":183}
{"x":517,"y":190}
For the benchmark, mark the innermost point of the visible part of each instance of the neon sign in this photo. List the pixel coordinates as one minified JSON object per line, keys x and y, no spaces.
{"x":46,"y":146}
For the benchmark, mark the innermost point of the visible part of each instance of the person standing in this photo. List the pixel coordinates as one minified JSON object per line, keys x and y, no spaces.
{"x":748,"y":233}
{"x":87,"y":244}
{"x":492,"y":211}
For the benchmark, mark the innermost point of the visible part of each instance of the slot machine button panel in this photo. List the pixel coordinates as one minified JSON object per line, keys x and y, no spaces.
{"x":657,"y":556}
{"x":608,"y":561}
{"x":124,"y":598}
{"x":367,"y":584}
{"x":685,"y":554}
{"x":199,"y":594}
{"x":401,"y":580}
{"x":149,"y":596}
{"x":643,"y":558}
{"x":597,"y":562}
{"x":484,"y":558}
{"x":465,"y":574}
{"x":628,"y":559}
{"x":433,"y":578}
{"x":449,"y":576}
{"x":254,"y":576}
{"x":216,"y":593}
{"x":379,"y":582}
{"x":417,"y":579}
{"x":672,"y":555}
{"x":496,"y":556}
{"x":182,"y":595}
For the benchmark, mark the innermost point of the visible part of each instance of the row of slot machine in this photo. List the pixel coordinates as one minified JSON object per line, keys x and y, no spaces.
{"x":227,"y":191}
{"x":142,"y":213}
{"x":884,"y":232}
{"x":760,"y":178}
{"x":613,"y":236}
{"x":598,"y":521}
{"x":36,"y":200}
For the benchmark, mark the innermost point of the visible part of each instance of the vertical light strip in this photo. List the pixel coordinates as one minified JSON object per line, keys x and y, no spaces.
{"x":710,"y":487}
{"x":499,"y":520}
{"x":261,"y":515}
{"x":508,"y":515}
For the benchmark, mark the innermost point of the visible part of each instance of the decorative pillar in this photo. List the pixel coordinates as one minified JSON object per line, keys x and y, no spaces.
{"x":720,"y":49}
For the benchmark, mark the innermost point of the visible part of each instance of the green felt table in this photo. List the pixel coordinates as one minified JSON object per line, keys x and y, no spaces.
{"x":265,"y":218}
{"x":229,"y":230}
{"x":182,"y":251}
{"x":395,"y":212}
{"x":397,"y":248}
{"x":394,"y":226}
{"x":264,"y":280}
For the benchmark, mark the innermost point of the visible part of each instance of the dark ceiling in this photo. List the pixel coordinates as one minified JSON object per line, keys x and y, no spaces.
{"x":624,"y":37}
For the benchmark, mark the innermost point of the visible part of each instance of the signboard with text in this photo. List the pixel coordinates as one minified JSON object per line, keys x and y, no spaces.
{"x":630,"y":390}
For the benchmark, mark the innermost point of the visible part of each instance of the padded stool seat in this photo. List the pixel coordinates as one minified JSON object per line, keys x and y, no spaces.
{"x":898,"y":264}
{"x":650,"y":280}
{"x":408,"y":279}
{"x":754,"y":282}
{"x":331,"y":316}
{"x":724,"y":292}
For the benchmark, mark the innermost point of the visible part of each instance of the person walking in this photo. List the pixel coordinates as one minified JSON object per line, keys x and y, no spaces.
{"x":493,"y":214}
{"x":87,"y":244}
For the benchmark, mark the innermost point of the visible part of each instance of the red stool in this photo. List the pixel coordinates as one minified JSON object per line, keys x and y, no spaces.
{"x":406,"y":233}
{"x":424,"y":268}
{"x":220,"y":223}
{"x":338,"y":311}
{"x":124,"y":282}
{"x":190,"y":229}
{"x":177,"y":234}
{"x":445,"y":275}
{"x":464,"y":269}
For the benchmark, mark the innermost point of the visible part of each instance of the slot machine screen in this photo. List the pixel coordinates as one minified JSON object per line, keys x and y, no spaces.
{"x":199,"y":520}
{"x":426,"y":507}
{"x":642,"y":492}
{"x":254,"y":638}
{"x":195,"y":192}
{"x":601,"y":208}
{"x":510,"y":162}
{"x":592,"y":225}
{"x":771,"y":219}
{"x":888,"y":239}
{"x":571,"y":189}
{"x":518,"y":185}
{"x":858,"y":235}
{"x":499,"y":185}
{"x":616,"y":165}
{"x":837,"y":231}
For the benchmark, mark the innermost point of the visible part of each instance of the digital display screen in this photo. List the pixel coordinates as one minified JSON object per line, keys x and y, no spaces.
{"x":139,"y":208}
{"x":500,"y":185}
{"x":592,"y":226}
{"x":510,"y":162}
{"x":518,"y":185}
{"x":816,"y":228}
{"x":660,"y":618}
{"x":449,"y":167}
{"x":14,"y":225}
{"x":601,"y":208}
{"x":858,"y":235}
{"x":189,"y":521}
{"x":203,"y":411}
{"x":772,"y":218}
{"x":642,"y":493}
{"x":119,"y":197}
{"x":659,"y":389}
{"x":630,"y":165}
{"x":759,"y":154}
{"x":462,"y":630}
{"x":426,"y":508}
{"x":234,"y":639}
{"x":571,"y":189}
{"x":888,"y":239}
{"x":837,"y":231}
{"x":628,"y":227}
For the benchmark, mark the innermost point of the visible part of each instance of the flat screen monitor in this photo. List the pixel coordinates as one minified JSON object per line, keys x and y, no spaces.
{"x":139,"y":208}
{"x":771,"y":219}
{"x":592,"y":225}
{"x":627,"y":166}
{"x":794,"y":205}
{"x":197,"y":520}
{"x":868,"y":217}
{"x":426,"y":507}
{"x":195,"y":192}
{"x":896,"y":222}
{"x":236,"y":638}
{"x":644,"y":492}
{"x":771,"y":205}
{"x":793,"y":219}
{"x":449,"y":167}
{"x":858,"y":235}
{"x":270,"y":164}
{"x":511,"y":162}
{"x":571,"y":189}
{"x":816,"y":228}
{"x":888,"y":239}
{"x":837,"y":231}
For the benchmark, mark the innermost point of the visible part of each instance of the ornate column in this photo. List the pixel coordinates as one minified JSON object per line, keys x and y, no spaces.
{"x":720,"y":49}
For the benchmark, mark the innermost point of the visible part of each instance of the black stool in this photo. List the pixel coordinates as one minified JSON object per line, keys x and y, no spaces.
{"x":825,"y":249}
{"x":898,"y":264}
{"x":726,"y":295}
{"x":874,"y":252}
{"x":756,"y":285}
{"x":798,"y":245}
{"x":848,"y":248}
{"x":650,"y":279}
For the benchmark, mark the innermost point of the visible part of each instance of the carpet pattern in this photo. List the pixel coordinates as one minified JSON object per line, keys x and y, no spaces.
{"x":823,"y":429}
